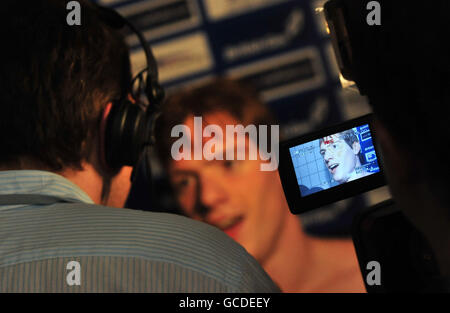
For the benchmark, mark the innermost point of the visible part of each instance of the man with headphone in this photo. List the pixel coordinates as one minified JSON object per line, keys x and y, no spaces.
{"x":71,"y":128}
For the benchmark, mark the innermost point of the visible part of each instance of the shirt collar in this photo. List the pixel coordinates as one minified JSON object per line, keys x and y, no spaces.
{"x":41,"y":183}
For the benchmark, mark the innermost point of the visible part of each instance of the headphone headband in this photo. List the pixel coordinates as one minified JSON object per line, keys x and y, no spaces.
{"x":153,"y":91}
{"x":128,"y":127}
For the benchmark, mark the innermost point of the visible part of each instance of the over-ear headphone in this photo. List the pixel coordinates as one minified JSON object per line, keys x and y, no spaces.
{"x":127,"y":127}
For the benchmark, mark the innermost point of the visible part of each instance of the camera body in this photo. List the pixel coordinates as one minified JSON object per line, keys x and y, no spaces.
{"x":407,"y":263}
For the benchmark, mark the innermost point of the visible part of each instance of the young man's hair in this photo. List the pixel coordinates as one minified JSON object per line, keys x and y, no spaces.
{"x":55,"y":80}
{"x":349,"y":137}
{"x":405,"y":63}
{"x":220,"y":95}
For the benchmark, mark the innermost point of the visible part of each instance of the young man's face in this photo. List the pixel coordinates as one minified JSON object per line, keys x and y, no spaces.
{"x":235,"y":196}
{"x":339,"y":157}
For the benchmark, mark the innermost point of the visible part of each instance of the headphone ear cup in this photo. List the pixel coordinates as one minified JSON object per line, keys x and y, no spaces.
{"x":125,"y":135}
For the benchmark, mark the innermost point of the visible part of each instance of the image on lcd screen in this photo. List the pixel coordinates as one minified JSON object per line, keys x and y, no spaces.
{"x":334,"y":160}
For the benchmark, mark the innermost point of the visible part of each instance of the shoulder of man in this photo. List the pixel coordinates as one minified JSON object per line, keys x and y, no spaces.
{"x":192,"y":248}
{"x":192,"y":244}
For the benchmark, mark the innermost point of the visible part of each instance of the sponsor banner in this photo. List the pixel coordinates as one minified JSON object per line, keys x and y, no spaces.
{"x":110,"y":2}
{"x":265,"y":34}
{"x":280,"y":46}
{"x":180,"y":57}
{"x":314,"y":113}
{"x":158,"y":18}
{"x":299,"y":115}
{"x":221,"y":9}
{"x":193,"y":83}
{"x":284,"y":75}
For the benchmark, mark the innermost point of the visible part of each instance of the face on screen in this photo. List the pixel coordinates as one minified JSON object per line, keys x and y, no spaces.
{"x":340,"y":158}
{"x":332,"y":160}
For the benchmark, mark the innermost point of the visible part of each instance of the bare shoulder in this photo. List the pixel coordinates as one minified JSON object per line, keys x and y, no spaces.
{"x":339,"y":265}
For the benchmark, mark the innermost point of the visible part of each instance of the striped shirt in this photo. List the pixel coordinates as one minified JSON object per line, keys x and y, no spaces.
{"x":46,"y":222}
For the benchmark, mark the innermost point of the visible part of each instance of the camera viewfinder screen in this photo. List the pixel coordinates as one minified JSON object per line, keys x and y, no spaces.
{"x":334,"y":160}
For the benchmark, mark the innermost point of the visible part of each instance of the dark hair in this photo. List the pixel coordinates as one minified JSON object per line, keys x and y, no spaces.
{"x":219,"y":95}
{"x":55,"y":79}
{"x":349,"y":137}
{"x":406,"y":65}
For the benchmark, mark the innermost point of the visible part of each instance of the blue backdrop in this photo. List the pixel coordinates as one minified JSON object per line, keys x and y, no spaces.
{"x":280,"y":46}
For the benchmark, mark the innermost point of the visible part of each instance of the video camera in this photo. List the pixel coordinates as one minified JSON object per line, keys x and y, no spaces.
{"x":343,"y":161}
